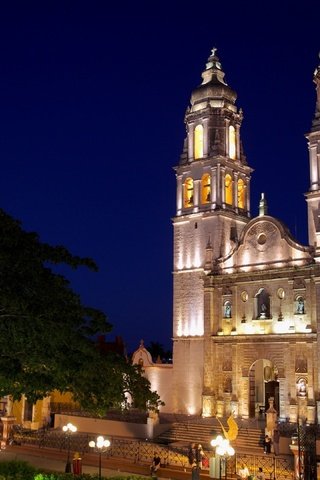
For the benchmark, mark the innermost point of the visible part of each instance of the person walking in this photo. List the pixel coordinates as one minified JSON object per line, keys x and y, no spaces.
{"x":243,"y":472}
{"x":155,"y":465}
{"x":267,"y":444}
{"x":260,"y":475}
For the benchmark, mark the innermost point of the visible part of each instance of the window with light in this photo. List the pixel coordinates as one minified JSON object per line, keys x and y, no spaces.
{"x":198,"y":142}
{"x":232,"y":142}
{"x":228,"y":189}
{"x":205,"y":188}
{"x":188,"y":193}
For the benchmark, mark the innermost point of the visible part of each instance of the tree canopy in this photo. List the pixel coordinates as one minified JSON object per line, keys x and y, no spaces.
{"x":46,"y":332}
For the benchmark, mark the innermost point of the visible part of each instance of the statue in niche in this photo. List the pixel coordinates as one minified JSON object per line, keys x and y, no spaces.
{"x":263,"y":310}
{"x":300,"y":305}
{"x":227,"y":310}
{"x":302,"y":388}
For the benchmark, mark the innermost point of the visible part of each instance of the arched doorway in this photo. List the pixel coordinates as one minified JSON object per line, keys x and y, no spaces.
{"x":263,"y":384}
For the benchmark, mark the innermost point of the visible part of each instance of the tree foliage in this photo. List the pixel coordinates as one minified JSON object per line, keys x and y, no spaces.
{"x":46,"y":331}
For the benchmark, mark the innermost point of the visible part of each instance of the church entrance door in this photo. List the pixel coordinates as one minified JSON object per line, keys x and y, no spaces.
{"x":262,"y":386}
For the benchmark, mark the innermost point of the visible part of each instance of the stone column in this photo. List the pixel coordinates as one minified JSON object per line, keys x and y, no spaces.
{"x":213,"y":187}
{"x":179,"y":194}
{"x":191,"y":142}
{"x":298,"y":462}
{"x":196,"y":195}
{"x":7,"y":426}
{"x":271,"y":418}
{"x":237,"y":141}
{"x":205,"y":137}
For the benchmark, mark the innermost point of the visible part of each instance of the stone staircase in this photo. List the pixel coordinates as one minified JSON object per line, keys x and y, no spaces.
{"x":250,"y":437}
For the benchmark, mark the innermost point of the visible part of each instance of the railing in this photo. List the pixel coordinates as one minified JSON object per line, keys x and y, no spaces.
{"x":274,"y":467}
{"x":132,"y":415}
{"x":135,"y":451}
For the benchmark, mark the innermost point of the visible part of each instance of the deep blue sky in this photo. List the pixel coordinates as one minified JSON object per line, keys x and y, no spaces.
{"x":92,"y":101}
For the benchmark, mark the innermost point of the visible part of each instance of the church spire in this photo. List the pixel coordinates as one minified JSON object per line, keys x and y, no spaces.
{"x":313,"y":195}
{"x":316,"y":80}
{"x":263,"y":207}
{"x":213,"y":71}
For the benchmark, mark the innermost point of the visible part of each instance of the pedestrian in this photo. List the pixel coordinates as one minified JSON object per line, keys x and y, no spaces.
{"x":267,"y":444}
{"x":155,"y":465}
{"x":260,"y":475}
{"x":243,"y":472}
{"x":199,"y":455}
{"x":192,"y":454}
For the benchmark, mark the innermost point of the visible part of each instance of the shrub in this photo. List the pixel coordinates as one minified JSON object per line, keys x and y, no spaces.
{"x":20,"y":470}
{"x":17,"y":470}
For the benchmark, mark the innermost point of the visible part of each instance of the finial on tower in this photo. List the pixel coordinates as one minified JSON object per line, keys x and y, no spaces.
{"x":213,"y":69}
{"x":263,"y":207}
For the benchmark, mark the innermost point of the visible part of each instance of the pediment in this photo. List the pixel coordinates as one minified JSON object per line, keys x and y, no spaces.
{"x":266,"y":243}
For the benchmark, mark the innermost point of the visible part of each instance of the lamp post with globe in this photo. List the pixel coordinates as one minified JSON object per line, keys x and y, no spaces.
{"x":68,"y":430}
{"x":224,"y":450}
{"x":100,"y":445}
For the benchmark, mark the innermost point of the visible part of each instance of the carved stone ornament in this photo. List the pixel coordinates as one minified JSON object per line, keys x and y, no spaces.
{"x":261,"y":235}
{"x":244,"y":296}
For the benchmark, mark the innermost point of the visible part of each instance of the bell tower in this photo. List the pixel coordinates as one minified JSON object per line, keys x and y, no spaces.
{"x":313,"y":195}
{"x":212,"y":207}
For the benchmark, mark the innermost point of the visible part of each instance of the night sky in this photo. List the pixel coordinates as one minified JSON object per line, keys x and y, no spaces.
{"x":92,"y":102}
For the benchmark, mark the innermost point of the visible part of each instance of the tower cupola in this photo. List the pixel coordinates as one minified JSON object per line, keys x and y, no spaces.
{"x":213,"y":174}
{"x":213,"y":89}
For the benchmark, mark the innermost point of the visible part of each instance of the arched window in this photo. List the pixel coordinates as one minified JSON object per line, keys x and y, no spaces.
{"x":232,"y":142}
{"x":241,"y":193}
{"x":228,"y":189}
{"x":198,"y":142}
{"x":205,"y":188}
{"x":188,"y":193}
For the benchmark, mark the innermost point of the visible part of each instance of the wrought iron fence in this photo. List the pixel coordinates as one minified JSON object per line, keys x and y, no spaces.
{"x":274,"y":467}
{"x":142,"y":452}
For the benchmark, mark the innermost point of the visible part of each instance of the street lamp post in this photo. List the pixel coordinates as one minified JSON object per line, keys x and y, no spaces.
{"x":100,"y":445}
{"x":224,"y":450}
{"x":69,"y":429}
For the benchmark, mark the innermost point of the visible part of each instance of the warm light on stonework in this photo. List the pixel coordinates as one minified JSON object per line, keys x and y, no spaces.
{"x":232,"y":142}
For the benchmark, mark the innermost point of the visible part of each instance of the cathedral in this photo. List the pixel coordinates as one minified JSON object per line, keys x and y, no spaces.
{"x":246,"y":322}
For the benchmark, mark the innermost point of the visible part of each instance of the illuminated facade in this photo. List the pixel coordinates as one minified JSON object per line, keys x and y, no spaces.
{"x":246,"y":303}
{"x":246,"y":294}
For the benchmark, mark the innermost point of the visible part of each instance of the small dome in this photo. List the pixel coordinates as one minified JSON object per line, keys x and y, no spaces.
{"x":213,"y":86}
